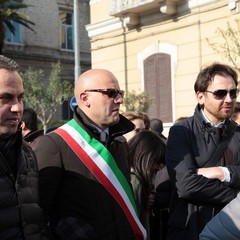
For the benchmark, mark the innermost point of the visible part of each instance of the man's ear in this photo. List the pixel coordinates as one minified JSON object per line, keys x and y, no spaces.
{"x":200,"y":97}
{"x":23,"y":125}
{"x":84,"y":99}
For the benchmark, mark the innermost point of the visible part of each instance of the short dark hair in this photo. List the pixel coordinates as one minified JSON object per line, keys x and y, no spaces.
{"x":29,"y":117}
{"x":9,"y":64}
{"x":156,"y":125}
{"x":207,"y":74}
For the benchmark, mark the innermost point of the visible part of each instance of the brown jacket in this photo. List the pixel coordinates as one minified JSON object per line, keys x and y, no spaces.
{"x":72,"y":197}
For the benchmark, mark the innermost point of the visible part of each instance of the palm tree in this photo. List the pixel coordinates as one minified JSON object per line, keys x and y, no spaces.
{"x":8,"y":13}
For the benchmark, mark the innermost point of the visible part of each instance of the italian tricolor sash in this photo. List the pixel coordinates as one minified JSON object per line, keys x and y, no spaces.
{"x":102,"y":165}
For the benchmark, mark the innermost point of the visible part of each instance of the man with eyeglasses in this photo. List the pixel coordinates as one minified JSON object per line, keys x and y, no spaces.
{"x":84,"y":167}
{"x":203,"y":154}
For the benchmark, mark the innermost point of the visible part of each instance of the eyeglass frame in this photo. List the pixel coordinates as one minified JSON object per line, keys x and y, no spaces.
{"x":233,"y":93}
{"x":110,"y":92}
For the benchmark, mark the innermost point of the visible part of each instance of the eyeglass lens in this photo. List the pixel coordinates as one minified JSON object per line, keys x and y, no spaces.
{"x":111,"y":93}
{"x":223,"y":93}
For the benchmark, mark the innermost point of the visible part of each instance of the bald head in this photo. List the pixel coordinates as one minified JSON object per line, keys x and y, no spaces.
{"x":92,"y":79}
{"x":96,"y":104}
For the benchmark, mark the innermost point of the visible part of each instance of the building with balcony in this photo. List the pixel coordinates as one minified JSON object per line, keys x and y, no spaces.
{"x":52,"y":39}
{"x":159,"y":46}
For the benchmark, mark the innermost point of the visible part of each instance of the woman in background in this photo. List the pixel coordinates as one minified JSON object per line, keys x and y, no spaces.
{"x":146,"y":154}
{"x":138,"y":120}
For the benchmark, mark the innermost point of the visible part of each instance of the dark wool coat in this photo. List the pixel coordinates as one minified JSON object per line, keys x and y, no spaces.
{"x":196,"y":199}
{"x":20,"y":215}
{"x":77,"y":204}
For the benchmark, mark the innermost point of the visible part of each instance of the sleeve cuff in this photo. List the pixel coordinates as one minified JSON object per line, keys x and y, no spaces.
{"x":226,"y":172}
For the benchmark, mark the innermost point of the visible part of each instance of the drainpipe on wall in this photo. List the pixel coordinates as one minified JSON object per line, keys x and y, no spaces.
{"x":77,"y":68}
{"x":125,"y":56}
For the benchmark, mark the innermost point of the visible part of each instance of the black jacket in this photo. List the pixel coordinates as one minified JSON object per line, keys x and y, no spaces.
{"x":79,"y":206}
{"x":196,"y":199}
{"x":32,"y":137}
{"x":20,"y":215}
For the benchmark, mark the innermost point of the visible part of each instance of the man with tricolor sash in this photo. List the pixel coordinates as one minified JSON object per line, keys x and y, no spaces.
{"x":84,"y":178}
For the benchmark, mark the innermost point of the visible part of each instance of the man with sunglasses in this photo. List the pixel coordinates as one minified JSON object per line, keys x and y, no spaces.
{"x":203,"y":156}
{"x":84,"y":168}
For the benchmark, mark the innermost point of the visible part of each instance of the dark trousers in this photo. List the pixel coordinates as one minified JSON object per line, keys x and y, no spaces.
{"x":159,"y":225}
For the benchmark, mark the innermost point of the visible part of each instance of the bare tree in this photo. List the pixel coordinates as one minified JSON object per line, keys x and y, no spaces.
{"x":137,"y":102}
{"x":229,"y":47}
{"x":46,"y":94}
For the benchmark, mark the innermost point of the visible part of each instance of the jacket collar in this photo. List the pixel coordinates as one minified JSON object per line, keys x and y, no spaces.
{"x":226,"y":125}
{"x":32,"y":135}
{"x":123,"y":126}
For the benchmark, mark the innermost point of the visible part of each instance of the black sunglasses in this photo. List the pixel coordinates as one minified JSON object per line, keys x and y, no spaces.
{"x":222,"y":93}
{"x":110,"y":92}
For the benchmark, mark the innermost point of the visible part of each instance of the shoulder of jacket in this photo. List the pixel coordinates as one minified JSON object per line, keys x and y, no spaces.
{"x":238,"y":128}
{"x":29,"y":157}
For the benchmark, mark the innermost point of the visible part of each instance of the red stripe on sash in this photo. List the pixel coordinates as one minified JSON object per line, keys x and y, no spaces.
{"x":97,"y":172}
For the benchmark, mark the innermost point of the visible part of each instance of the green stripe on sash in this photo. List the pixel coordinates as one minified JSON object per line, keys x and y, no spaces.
{"x":108,"y":158}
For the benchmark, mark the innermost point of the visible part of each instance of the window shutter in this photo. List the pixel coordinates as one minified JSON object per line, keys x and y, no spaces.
{"x":157,"y":83}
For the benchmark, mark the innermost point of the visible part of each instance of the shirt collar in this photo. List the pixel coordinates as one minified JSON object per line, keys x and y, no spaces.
{"x":219,"y":125}
{"x":101,"y":130}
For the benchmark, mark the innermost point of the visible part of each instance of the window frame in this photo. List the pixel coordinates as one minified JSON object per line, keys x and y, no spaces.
{"x":17,"y":35}
{"x":65,"y":27}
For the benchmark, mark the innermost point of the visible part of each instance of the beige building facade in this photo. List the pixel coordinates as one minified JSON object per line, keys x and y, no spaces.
{"x":52,"y":39}
{"x":159,"y":46}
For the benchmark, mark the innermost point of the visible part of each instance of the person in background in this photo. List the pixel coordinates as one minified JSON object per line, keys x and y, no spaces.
{"x":21,"y":217}
{"x":146,"y":153}
{"x":202,"y":156}
{"x":236,"y":113}
{"x":137,"y":120}
{"x":160,"y":208}
{"x":162,"y":186}
{"x":50,"y":129}
{"x":180,"y":119}
{"x":145,"y":118}
{"x":156,"y":125}
{"x":85,"y":186}
{"x":30,"y":130}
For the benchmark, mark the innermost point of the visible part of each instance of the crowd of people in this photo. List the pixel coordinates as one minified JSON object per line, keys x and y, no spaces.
{"x":111,"y":176}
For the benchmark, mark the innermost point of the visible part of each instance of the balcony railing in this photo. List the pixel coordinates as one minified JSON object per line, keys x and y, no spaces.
{"x":118,"y":6}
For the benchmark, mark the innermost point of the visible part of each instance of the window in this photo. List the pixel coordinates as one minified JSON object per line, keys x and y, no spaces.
{"x":67,"y":31}
{"x":16,"y":37}
{"x":157,"y":80}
